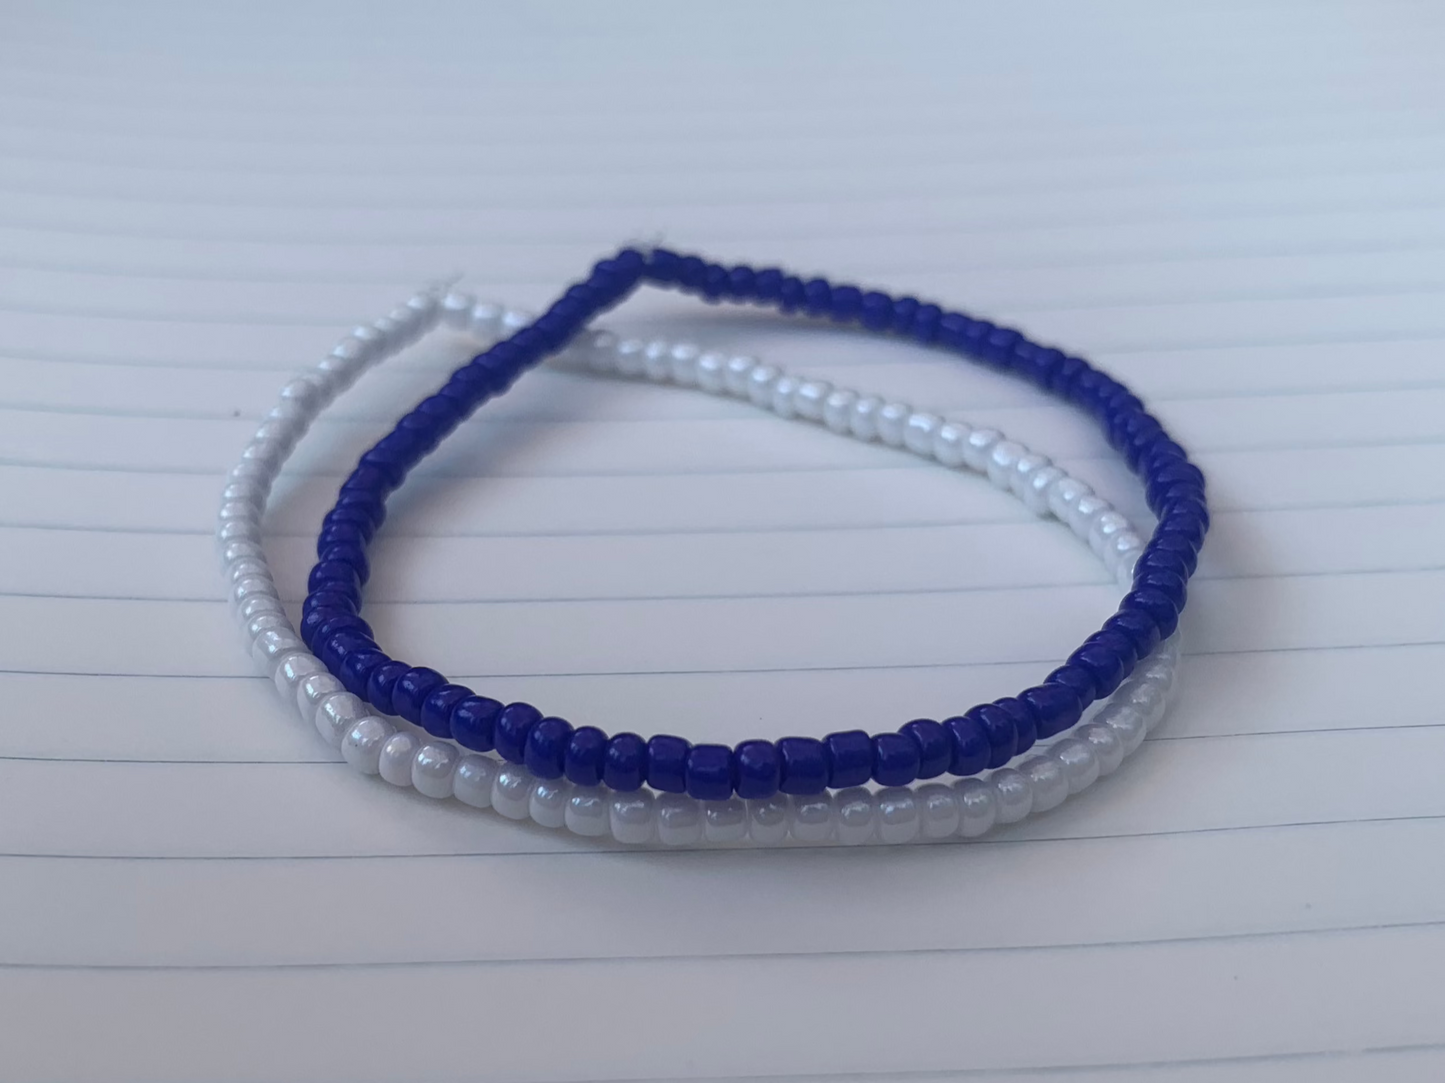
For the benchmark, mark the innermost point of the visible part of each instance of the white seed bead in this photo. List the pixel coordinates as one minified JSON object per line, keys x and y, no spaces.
{"x":978,"y":805}
{"x":712,"y":373}
{"x":1048,"y":781}
{"x":657,"y":361}
{"x":234,"y":551}
{"x":457,"y":309}
{"x":782,"y":400}
{"x":548,"y":804}
{"x":238,"y":509}
{"x":737,"y":375}
{"x":1106,"y":746}
{"x":262,"y":603}
{"x":336,"y":715}
{"x":809,"y":398}
{"x":682,"y":363}
{"x":813,"y":818}
{"x":1002,"y":458}
{"x":855,"y":815}
{"x":1013,"y":795}
{"x":264,"y":622}
{"x":512,"y":792}
{"x":485,"y":321}
{"x":239,"y":530}
{"x":1036,"y":495}
{"x":1102,"y":531}
{"x":1148,"y":697}
{"x":679,"y":820}
{"x":432,"y":768}
{"x":244,"y":492}
{"x":898,"y":818}
{"x":631,"y":817}
{"x":310,"y":691}
{"x":760,"y":385}
{"x":362,"y":745}
{"x":587,"y":814}
{"x":938,"y":813}
{"x":1081,"y":766}
{"x":1026,"y":467}
{"x":1065,"y":493}
{"x":725,"y":821}
{"x":1123,"y":549}
{"x":394,"y":764}
{"x":976,"y":448}
{"x":892,"y":417}
{"x":863,"y":422}
{"x":514,"y":319}
{"x":1128,"y":724}
{"x":838,"y":409}
{"x":918,"y":432}
{"x":1085,"y":510}
{"x":272,"y":645}
{"x":252,"y":586}
{"x":291,"y":670}
{"x":630,"y":357}
{"x":473,"y":779}
{"x":948,"y":443}
{"x":247,"y":566}
{"x":768,"y":820}
{"x":596,"y":352}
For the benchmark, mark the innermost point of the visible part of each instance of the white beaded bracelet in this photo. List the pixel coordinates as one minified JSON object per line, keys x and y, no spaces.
{"x":406,"y":756}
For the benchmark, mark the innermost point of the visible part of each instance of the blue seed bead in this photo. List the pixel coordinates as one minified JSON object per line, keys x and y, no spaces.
{"x":904,"y":309}
{"x":1026,"y":725}
{"x":412,"y":689}
{"x":934,"y":751}
{"x":925,"y":323}
{"x":474,"y":721}
{"x":1108,"y":657}
{"x":339,"y":622}
{"x":847,"y":304}
{"x":742,"y":282}
{"x":804,"y":766}
{"x":339,"y":533}
{"x":1068,"y":373}
{"x":850,"y":758}
{"x":876,"y":311}
{"x":329,"y":599}
{"x":790,"y":293}
{"x":667,"y":763}
{"x":709,"y":773}
{"x":436,"y":709}
{"x":768,"y":286}
{"x":356,"y":669}
{"x":583,"y":762}
{"x":999,"y":728}
{"x":1143,"y":633}
{"x":1166,"y":583}
{"x":1163,"y":612}
{"x":625,"y":764}
{"x":311,"y":624}
{"x":968,"y":743}
{"x":1056,"y":707}
{"x":336,"y":647}
{"x":691,"y":272}
{"x":381,"y":684}
{"x":334,"y":575}
{"x":1188,"y":555}
{"x":895,"y":759}
{"x":1077,"y":678}
{"x":817,"y":297}
{"x":546,"y":751}
{"x":513,"y":724}
{"x":757,"y":768}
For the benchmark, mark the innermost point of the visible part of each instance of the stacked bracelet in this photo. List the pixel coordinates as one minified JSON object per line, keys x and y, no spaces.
{"x":404,"y":757}
{"x":986,"y":736}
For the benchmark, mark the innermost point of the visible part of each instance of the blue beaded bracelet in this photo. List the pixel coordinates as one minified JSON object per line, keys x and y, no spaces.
{"x":985,"y":736}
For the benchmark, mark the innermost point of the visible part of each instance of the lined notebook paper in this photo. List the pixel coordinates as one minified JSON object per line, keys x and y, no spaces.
{"x":1235,"y":207}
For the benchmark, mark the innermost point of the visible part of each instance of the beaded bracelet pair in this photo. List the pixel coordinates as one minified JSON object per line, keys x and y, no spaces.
{"x":436,"y":768}
{"x":983,"y":737}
